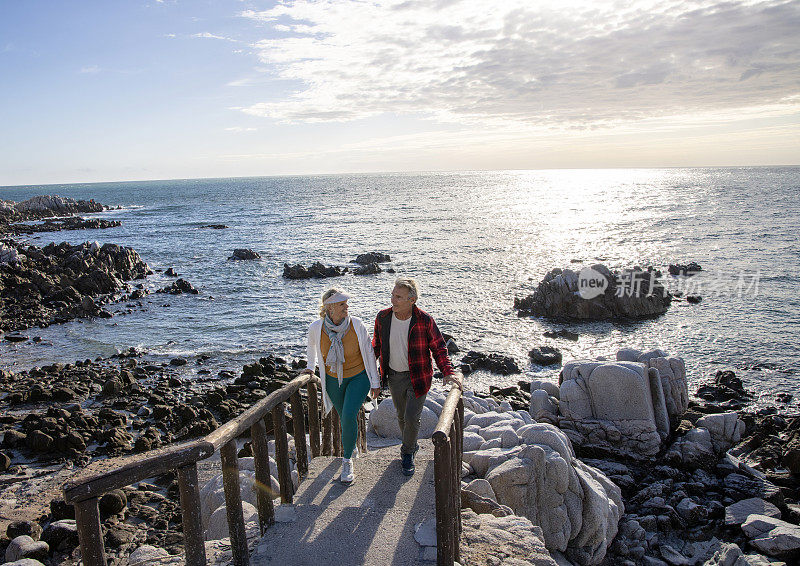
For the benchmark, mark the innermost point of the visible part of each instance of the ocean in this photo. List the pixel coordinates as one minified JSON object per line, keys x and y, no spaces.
{"x":474,"y":241}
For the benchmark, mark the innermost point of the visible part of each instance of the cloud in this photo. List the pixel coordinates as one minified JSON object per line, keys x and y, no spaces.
{"x":240,"y":129}
{"x":207,"y":35}
{"x":533,"y":64}
{"x":90,"y":70}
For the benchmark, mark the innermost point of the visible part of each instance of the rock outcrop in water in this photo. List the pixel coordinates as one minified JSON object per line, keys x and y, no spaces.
{"x":632,"y":293}
{"x":316,"y":271}
{"x":371,"y":257}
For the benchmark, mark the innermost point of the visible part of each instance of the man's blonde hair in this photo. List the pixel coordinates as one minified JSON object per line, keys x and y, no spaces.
{"x":410,"y":285}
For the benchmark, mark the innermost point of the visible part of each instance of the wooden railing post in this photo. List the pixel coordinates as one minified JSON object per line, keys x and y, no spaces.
{"x":233,"y":503}
{"x":90,"y":534}
{"x":266,"y":510}
{"x":455,"y":488}
{"x":313,"y":418}
{"x":327,"y":430}
{"x":460,"y":457}
{"x":193,"y":542}
{"x":441,"y":476}
{"x":282,"y":453}
{"x":336,"y":425}
{"x":362,"y":431}
{"x":299,"y":429}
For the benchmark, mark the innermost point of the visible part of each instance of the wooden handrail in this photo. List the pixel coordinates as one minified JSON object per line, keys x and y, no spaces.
{"x":241,"y":424}
{"x":447,"y":455}
{"x":84,"y":492}
{"x":149,"y":464}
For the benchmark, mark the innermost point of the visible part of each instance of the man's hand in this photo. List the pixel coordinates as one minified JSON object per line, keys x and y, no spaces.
{"x":308,"y":371}
{"x":374,"y":392}
{"x":455,"y":380}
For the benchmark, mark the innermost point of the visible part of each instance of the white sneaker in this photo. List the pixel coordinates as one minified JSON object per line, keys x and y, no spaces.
{"x":348,"y":474}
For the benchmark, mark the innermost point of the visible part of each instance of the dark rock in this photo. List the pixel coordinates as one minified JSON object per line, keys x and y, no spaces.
{"x":170,"y":272}
{"x":215,"y":226}
{"x":16,"y":337}
{"x":545,"y":355}
{"x":244,"y":254}
{"x":5,"y":463}
{"x":629,"y":294}
{"x":113,"y":502}
{"x":59,"y":509}
{"x":693,"y":299}
{"x":61,"y":534}
{"x":178,"y":287}
{"x":452,"y":347}
{"x":316,"y":271}
{"x":371,"y":257}
{"x":368,"y":269}
{"x":177,"y":361}
{"x":688,"y":270}
{"x":39,"y":441}
{"x":112,"y":387}
{"x":19,"y":528}
{"x":563,"y":333}
{"x":495,"y":363}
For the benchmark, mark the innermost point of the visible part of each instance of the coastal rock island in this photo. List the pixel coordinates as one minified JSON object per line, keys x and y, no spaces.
{"x":632,"y":293}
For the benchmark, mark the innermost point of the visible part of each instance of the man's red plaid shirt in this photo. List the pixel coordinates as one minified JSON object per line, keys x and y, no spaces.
{"x":424,"y":340}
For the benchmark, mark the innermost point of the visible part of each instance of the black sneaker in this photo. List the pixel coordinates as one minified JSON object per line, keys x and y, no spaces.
{"x":408,"y":464}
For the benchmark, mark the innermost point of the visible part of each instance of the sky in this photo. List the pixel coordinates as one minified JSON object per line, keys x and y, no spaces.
{"x":111,"y":91}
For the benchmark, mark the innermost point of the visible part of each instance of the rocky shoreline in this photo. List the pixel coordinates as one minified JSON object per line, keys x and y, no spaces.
{"x":58,"y":283}
{"x":63,"y":416}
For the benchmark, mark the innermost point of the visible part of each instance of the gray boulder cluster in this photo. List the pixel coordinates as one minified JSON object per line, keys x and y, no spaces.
{"x":616,"y":405}
{"x":632,"y":293}
{"x":515,"y":466}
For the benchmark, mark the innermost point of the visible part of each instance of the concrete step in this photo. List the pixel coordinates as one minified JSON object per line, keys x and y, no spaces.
{"x":369,"y":522}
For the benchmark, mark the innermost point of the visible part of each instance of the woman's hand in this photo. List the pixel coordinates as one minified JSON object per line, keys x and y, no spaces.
{"x":374,"y":392}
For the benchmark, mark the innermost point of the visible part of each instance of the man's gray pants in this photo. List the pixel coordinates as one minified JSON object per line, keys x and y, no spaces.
{"x":408,"y":407}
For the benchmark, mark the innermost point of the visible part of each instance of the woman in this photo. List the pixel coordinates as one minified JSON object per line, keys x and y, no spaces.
{"x":341,"y":346}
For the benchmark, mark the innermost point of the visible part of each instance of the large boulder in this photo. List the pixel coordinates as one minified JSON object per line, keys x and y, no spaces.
{"x":383,"y":421}
{"x":609,"y":405}
{"x":488,"y":539}
{"x":726,"y":429}
{"x":671,"y":370}
{"x":577,"y":507}
{"x":631,"y":293}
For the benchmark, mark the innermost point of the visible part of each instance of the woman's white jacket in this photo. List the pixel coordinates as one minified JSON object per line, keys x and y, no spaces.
{"x":315,"y":357}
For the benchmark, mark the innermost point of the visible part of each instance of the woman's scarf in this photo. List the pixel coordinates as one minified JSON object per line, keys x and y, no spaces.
{"x":335,"y":357}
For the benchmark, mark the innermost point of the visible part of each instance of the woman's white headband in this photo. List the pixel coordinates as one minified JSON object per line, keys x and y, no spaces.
{"x":336,"y":298}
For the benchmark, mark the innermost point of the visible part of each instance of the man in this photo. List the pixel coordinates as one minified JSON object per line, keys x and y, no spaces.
{"x":404,"y":339}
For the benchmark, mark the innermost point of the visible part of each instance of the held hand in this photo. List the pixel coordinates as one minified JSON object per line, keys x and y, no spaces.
{"x":308,"y":371}
{"x":374,"y":392}
{"x":455,"y":380}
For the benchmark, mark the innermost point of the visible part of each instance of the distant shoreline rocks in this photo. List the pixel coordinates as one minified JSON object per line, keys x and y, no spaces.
{"x":61,"y":282}
{"x":627,"y":294}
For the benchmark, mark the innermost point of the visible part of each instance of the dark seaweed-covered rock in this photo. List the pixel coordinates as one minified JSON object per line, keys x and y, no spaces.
{"x":368,"y":269}
{"x":628,"y":294}
{"x":316,"y":271}
{"x":495,"y":363}
{"x":73,"y":223}
{"x":244,"y":254}
{"x":563,"y":333}
{"x":178,"y":287}
{"x":371,"y":257}
{"x":545,"y":355}
{"x":687,"y":270}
